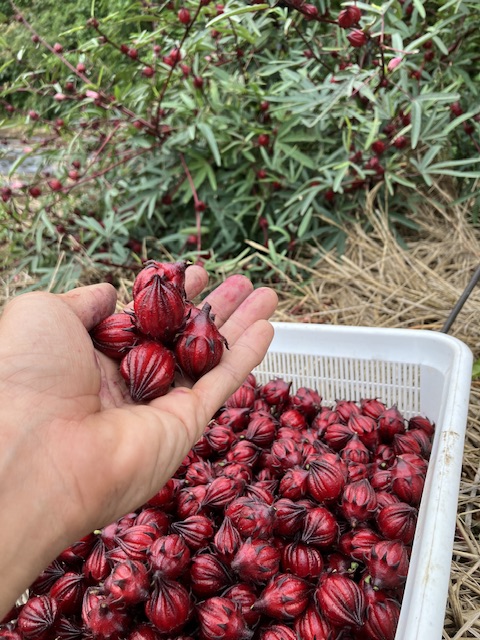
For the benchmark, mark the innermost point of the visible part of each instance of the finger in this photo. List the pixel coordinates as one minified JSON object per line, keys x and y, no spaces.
{"x":228,"y":296}
{"x":196,"y":279}
{"x":260,"y":304}
{"x":247,"y":352}
{"x":91,"y":303}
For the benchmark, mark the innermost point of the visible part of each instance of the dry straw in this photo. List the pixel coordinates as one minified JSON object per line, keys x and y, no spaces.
{"x":381,"y":282}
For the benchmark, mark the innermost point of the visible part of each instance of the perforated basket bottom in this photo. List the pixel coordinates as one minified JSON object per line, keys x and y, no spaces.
{"x":336,"y":378}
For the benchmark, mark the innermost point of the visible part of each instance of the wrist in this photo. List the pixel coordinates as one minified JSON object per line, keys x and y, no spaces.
{"x":32,"y":534}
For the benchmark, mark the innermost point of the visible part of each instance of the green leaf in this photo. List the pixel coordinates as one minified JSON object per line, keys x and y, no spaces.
{"x":236,"y":12}
{"x":457,"y":121}
{"x":305,"y":223}
{"x":416,"y":114}
{"x":212,"y":143}
{"x":476,"y":370}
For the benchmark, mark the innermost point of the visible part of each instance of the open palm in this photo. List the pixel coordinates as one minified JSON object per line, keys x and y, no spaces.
{"x":72,"y":442}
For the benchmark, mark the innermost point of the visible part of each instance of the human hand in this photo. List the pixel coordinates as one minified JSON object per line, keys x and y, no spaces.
{"x":75,"y":452}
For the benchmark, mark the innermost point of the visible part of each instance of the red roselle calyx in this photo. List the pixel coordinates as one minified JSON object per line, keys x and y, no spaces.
{"x":256,"y":561}
{"x":196,"y":530}
{"x":381,"y":619}
{"x":101,"y":618}
{"x":398,"y":522}
{"x":244,"y":595}
{"x":326,"y":478}
{"x":284,"y":598}
{"x":200,"y":345}
{"x":311,"y":624}
{"x":278,"y":632}
{"x":159,"y":309}
{"x":222,"y":619}
{"x":169,"y":606}
{"x":149,"y":371}
{"x":169,"y":556}
{"x":68,"y":592}
{"x":276,"y":392}
{"x":252,"y":518}
{"x":115,"y":335}
{"x":171,"y":272}
{"x":302,"y":560}
{"x":128,"y":583}
{"x":341,"y":600}
{"x":388,"y":564}
{"x":243,"y":397}
{"x":227,"y":540}
{"x":37,"y":617}
{"x":307,"y":401}
{"x":359,"y":501}
{"x":208,"y":575}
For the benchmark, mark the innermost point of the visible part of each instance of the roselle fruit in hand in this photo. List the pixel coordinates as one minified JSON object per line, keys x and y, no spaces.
{"x":164,"y":334}
{"x":200,"y":345}
{"x":149,"y":370}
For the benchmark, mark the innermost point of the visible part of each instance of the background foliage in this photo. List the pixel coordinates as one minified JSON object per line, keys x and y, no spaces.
{"x":268,"y":129}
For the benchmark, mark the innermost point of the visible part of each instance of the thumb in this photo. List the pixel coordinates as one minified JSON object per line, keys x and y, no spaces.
{"x":91,"y":303}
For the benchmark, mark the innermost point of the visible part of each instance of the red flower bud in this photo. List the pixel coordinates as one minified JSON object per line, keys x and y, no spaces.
{"x":276,"y":392}
{"x":311,"y":624}
{"x":68,"y":592}
{"x":197,"y":531}
{"x":398,"y":522}
{"x":326,"y":478}
{"x":243,"y":397}
{"x":349,"y":16}
{"x":261,"y":429}
{"x":222,"y":491}
{"x":357,"y":38}
{"x":227,"y":540}
{"x":307,"y":401}
{"x":244,"y":596}
{"x":390,"y":423}
{"x":289,"y":517}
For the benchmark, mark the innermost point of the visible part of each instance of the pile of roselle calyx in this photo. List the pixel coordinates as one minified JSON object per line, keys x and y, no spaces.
{"x":164,"y":334}
{"x":288,"y":520}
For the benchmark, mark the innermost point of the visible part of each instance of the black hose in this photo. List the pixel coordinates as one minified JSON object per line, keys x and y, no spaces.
{"x":461,"y":301}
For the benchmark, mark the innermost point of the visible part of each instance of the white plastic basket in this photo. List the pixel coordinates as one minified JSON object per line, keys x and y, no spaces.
{"x":423,"y":373}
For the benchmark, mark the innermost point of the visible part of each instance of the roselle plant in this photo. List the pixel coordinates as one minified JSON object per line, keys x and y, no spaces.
{"x":234,"y":134}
